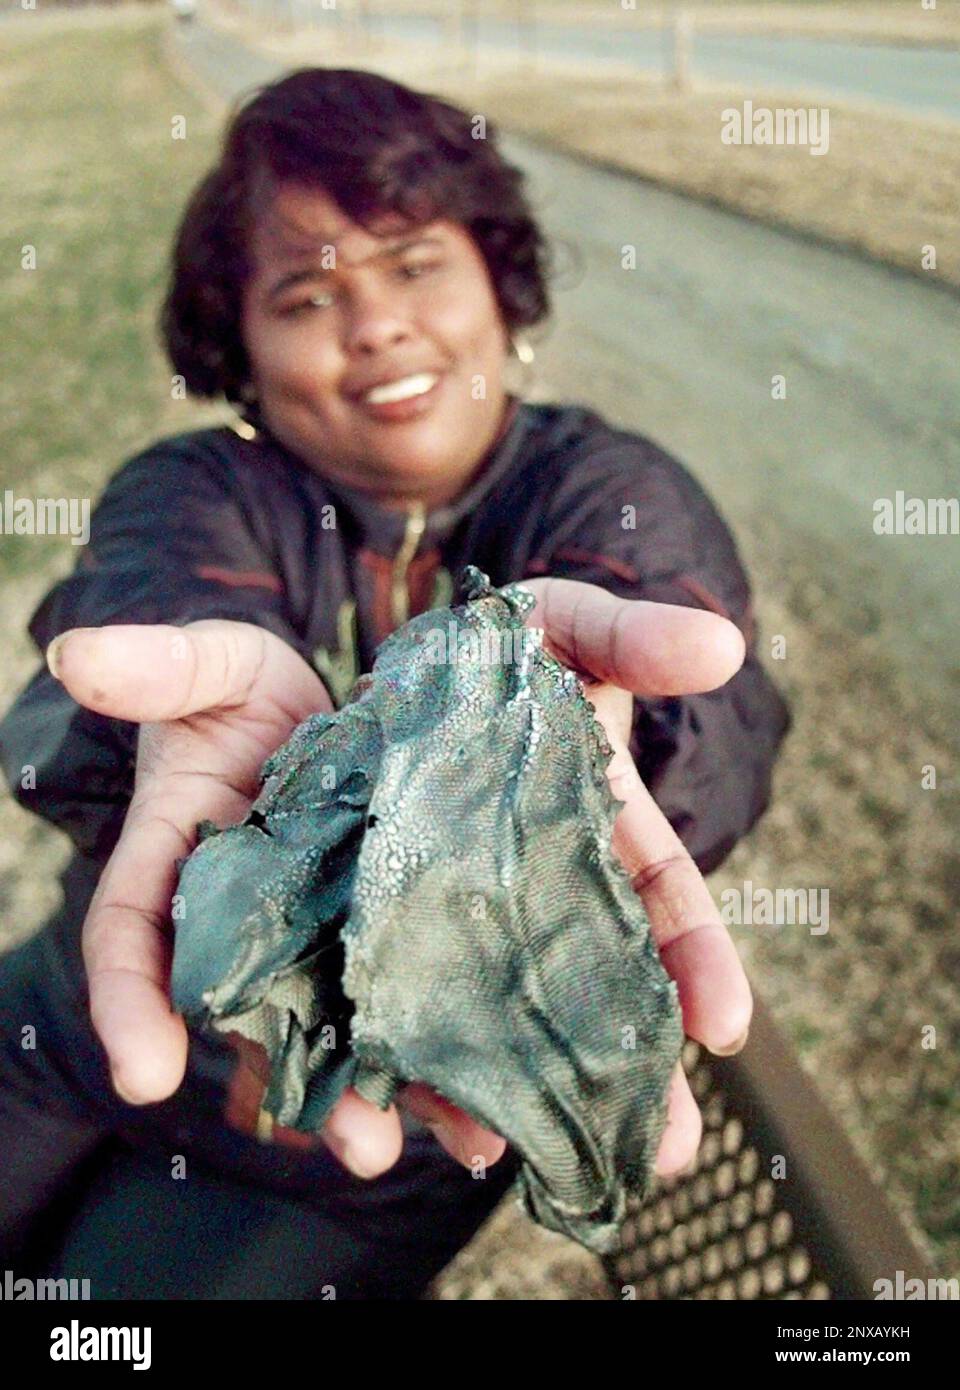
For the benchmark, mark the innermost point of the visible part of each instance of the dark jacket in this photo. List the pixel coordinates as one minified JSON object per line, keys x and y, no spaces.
{"x":214,"y":524}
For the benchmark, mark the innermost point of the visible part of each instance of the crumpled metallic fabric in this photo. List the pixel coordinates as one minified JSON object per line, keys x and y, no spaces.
{"x":424,"y":890}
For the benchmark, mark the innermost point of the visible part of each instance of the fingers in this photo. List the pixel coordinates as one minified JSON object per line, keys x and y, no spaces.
{"x":156,"y":672}
{"x":368,"y":1145}
{"x":694,"y":945}
{"x":366,"y":1140}
{"x":127,"y":958}
{"x":681,"y":1136}
{"x":651,"y":649}
{"x":245,"y":1092}
{"x":145,"y":1042}
{"x":247,"y":1084}
{"x":126,"y":940}
{"x":463,"y":1137}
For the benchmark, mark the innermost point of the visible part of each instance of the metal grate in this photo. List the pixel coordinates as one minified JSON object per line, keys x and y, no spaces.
{"x":776,"y":1204}
{"x":721,"y":1229}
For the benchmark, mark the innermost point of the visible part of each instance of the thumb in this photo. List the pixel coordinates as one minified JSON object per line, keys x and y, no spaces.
{"x":154,"y":672}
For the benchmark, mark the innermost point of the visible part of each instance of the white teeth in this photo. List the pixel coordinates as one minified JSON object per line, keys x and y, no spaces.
{"x":401,"y":390}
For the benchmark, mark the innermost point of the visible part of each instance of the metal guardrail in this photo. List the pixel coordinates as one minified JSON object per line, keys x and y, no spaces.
{"x":777,"y":1204}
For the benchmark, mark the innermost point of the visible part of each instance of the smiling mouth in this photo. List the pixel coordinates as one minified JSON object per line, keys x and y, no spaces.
{"x":405,"y":389}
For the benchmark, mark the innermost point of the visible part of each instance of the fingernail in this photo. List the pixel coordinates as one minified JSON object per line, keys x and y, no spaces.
{"x":53,"y":655}
{"x":734,"y":1048}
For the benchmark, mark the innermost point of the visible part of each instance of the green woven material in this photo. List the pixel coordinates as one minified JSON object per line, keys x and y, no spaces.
{"x":424,"y":891}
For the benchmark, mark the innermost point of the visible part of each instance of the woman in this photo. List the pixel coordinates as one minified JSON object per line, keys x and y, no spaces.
{"x":352,"y":275}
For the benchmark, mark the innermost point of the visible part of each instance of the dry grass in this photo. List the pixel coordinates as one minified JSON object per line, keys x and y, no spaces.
{"x":91,"y":178}
{"x":887,"y":185}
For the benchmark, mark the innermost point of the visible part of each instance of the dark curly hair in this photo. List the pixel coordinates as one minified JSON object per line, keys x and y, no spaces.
{"x":374,"y":146}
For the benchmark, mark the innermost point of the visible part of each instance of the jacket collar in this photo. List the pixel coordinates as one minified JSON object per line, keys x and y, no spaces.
{"x":384,"y":530}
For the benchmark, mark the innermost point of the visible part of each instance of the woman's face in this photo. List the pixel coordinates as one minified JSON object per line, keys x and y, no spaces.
{"x":332,"y":311}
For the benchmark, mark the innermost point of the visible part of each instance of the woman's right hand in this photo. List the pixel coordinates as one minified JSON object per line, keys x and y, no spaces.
{"x":214,"y":699}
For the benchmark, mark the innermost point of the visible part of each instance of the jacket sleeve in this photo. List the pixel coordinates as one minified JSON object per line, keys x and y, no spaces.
{"x":647,"y":530}
{"x":169,"y":543}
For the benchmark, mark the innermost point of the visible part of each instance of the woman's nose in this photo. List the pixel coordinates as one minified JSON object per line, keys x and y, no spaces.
{"x":375,"y":323}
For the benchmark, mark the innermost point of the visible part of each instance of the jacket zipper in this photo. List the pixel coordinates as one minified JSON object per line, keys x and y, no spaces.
{"x":399,"y":593}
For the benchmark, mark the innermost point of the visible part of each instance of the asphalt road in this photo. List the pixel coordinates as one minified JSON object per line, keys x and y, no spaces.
{"x":684,"y":349}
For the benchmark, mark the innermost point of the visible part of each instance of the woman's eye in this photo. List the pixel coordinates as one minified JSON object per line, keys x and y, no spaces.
{"x":316,"y":301}
{"x":413,"y":269}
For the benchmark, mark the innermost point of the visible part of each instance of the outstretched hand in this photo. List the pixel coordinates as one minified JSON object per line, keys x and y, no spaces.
{"x":215,"y":698}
